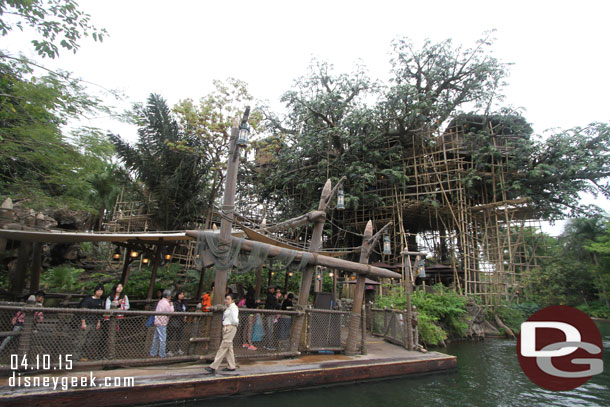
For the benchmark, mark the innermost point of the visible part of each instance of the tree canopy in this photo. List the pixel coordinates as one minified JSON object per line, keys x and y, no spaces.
{"x":56,"y":22}
{"x":39,"y":162}
{"x":349,"y":124}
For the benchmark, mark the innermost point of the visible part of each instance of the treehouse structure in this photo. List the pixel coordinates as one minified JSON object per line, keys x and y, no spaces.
{"x":456,"y":199}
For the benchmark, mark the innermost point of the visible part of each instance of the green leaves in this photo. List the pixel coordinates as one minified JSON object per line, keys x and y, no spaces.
{"x":54,"y":20}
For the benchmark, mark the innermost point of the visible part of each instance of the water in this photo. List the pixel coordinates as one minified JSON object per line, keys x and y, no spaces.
{"x":488,"y":374}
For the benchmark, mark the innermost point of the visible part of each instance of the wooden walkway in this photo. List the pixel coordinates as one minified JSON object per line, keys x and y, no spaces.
{"x":188,"y":381}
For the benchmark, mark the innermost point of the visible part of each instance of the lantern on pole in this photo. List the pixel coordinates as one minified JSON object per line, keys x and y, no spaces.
{"x":145,"y":260}
{"x":340,"y":199}
{"x":242,"y":139}
{"x":134,"y":254}
{"x":116,"y":255}
{"x":168,"y":256}
{"x":387,"y":248}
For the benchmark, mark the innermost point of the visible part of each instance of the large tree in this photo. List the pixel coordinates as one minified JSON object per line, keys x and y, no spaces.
{"x":169,"y":163}
{"x":38,"y":162}
{"x":209,"y":121}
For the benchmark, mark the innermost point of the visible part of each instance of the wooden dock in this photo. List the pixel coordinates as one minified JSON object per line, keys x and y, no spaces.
{"x":188,"y":381}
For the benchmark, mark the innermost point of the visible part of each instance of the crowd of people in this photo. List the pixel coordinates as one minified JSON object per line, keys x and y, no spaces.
{"x":258,"y":328}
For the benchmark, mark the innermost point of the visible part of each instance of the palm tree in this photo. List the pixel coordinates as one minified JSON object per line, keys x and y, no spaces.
{"x":169,"y":164}
{"x":104,"y":189}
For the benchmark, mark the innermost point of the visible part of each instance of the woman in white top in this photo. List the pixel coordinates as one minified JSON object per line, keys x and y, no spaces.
{"x":117,"y":300}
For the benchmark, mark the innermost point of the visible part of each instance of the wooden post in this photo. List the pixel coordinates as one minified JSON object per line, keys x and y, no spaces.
{"x":153,"y":276}
{"x":200,"y":285}
{"x":314,"y":246}
{"x":36,"y":267}
{"x":334,"y":286}
{"x":385,"y":321}
{"x":368,"y":242}
{"x":126,"y":263}
{"x":409,"y":321}
{"x":226,"y":224}
{"x":258,"y":283}
{"x":111,"y":342}
{"x":23,"y":259}
{"x":363,"y":331}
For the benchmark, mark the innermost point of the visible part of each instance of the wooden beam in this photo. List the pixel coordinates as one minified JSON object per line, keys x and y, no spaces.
{"x":319,"y":260}
{"x":313,"y":216}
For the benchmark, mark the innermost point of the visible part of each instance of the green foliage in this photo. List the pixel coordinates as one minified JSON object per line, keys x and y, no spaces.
{"x":596,"y":309}
{"x":430,"y":332}
{"x":340,"y":124}
{"x":175,"y":177}
{"x":448,"y":307}
{"x":512,"y":316}
{"x":61,"y":279}
{"x":55,"y":21}
{"x":441,"y":313}
{"x":566,"y":164}
{"x":209,"y":122}
{"x":573,"y":269}
{"x":38,"y":163}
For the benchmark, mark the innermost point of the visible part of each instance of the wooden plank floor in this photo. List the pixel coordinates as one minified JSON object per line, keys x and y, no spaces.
{"x":188,"y":380}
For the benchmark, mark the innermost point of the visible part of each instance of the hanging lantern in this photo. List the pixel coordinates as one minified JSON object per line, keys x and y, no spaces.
{"x":290,"y":274}
{"x":273,"y":272}
{"x":340,"y":199}
{"x":116,"y":255}
{"x":331,"y":274}
{"x":421,"y":269}
{"x":242,"y":139}
{"x":145,"y":260}
{"x":134,"y":254}
{"x":387,"y":248}
{"x":167,"y":256}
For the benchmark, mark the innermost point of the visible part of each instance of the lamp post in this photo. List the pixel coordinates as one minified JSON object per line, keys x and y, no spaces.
{"x":239,"y":133}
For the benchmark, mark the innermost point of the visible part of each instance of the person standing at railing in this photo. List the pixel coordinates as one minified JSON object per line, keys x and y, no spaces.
{"x":286,"y":320}
{"x":270,"y":304}
{"x":117,"y":300}
{"x":19,"y":318}
{"x":230,"y":321}
{"x":250,"y":303}
{"x":89,"y":323}
{"x":159,"y":340}
{"x":176,"y":325}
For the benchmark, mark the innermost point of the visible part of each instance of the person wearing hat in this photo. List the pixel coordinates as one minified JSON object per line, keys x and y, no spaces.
{"x":89,"y":323}
{"x":19,"y":317}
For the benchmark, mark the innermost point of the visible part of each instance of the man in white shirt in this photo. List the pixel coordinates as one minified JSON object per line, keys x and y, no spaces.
{"x":230,"y":320}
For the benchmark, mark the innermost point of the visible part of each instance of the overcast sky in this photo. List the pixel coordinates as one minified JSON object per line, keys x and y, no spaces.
{"x":559,"y":48}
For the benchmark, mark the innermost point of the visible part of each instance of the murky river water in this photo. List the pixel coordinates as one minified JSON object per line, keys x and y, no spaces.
{"x":488,"y":374}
